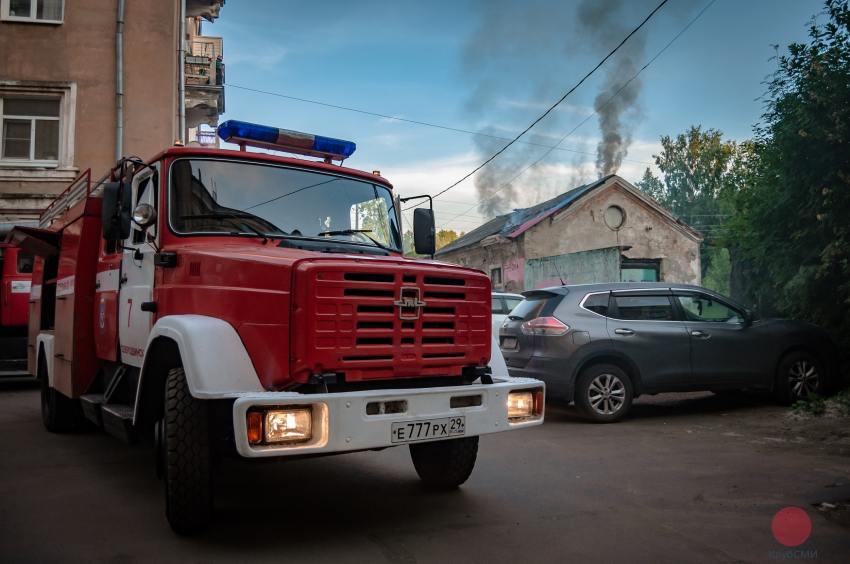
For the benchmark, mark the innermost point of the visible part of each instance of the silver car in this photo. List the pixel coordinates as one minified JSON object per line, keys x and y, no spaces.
{"x":602,"y":345}
{"x":503,"y":303}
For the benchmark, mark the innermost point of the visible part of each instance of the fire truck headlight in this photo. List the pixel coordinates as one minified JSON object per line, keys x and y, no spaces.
{"x":524,"y":405}
{"x":292,"y":425}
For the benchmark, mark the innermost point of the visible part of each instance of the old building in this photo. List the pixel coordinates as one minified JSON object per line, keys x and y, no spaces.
{"x":604,"y":231}
{"x":85,"y":82}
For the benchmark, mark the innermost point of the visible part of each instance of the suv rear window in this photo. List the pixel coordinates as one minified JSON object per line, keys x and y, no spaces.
{"x":648,"y":308}
{"x":539,"y":304}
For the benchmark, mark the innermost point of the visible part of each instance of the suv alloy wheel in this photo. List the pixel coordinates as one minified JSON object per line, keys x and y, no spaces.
{"x":603,"y":393}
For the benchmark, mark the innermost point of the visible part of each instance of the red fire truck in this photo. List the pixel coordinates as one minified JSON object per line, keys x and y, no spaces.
{"x":234,"y":301}
{"x":15,"y":277}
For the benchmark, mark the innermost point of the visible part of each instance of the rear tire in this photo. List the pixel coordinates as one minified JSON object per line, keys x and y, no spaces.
{"x":186,"y":457}
{"x":445,"y":465}
{"x":604,"y":393}
{"x":58,"y":412}
{"x":799,"y":376}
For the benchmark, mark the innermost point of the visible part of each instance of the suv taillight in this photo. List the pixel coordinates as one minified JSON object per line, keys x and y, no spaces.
{"x":548,"y":326}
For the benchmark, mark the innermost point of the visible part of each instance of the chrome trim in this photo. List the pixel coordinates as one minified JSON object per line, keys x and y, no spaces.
{"x":581,"y":305}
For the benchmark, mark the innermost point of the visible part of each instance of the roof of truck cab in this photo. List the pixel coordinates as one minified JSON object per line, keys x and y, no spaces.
{"x":318,"y":166}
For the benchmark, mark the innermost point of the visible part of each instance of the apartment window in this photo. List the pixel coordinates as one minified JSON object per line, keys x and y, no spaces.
{"x":29,"y":130}
{"x":496,"y":277}
{"x":39,"y":11}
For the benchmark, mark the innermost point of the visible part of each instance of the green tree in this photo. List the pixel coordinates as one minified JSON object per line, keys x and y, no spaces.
{"x":446,"y":236}
{"x":790,"y":224}
{"x":699,"y":176}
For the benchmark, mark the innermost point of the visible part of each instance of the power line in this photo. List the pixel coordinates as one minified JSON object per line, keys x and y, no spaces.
{"x":555,"y":105}
{"x":411,"y":121}
{"x":585,"y":120}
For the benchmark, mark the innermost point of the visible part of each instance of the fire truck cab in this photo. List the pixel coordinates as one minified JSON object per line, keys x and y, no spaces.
{"x":234,"y":302}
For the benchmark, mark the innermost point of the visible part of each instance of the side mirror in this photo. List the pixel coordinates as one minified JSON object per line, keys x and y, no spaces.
{"x":144,"y":215}
{"x":115,"y":213}
{"x":748,"y":318}
{"x":424,"y":235}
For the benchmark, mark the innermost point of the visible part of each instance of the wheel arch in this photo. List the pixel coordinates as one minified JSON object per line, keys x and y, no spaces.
{"x":617,"y":359}
{"x":44,"y":346}
{"x":215,"y":361}
{"x":792,"y":349}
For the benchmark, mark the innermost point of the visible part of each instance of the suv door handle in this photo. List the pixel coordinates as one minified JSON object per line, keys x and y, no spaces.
{"x":699,"y":334}
{"x":624,"y":332}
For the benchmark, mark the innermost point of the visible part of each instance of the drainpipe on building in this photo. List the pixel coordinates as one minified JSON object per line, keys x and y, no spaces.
{"x":119,"y":82}
{"x":181,"y":61}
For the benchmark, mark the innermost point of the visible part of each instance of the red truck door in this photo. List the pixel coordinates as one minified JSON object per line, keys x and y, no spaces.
{"x":16,"y":281}
{"x":135,"y":295}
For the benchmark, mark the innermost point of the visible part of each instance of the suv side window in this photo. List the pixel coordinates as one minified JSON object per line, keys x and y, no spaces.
{"x":597,"y":303}
{"x":645,"y":308}
{"x":700,"y":307}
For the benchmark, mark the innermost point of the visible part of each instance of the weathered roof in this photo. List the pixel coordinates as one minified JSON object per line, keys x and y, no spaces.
{"x":519,"y":221}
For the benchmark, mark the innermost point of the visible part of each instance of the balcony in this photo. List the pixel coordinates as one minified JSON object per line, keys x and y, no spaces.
{"x":204,"y":72}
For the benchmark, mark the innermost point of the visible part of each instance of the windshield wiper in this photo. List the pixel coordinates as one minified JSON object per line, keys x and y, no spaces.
{"x":345,"y":232}
{"x":353,"y":232}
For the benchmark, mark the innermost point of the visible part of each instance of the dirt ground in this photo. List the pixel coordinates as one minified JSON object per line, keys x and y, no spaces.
{"x":687,"y":478}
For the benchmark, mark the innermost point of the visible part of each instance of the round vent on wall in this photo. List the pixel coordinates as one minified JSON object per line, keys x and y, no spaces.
{"x":615,"y":217}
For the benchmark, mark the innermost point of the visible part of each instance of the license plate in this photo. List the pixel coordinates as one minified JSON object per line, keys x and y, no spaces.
{"x":427,"y":429}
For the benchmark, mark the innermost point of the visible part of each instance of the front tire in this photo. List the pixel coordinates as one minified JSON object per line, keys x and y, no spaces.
{"x":445,"y":465}
{"x":604,"y":393}
{"x":186,"y":457}
{"x":58,"y":412}
{"x":799,"y":376}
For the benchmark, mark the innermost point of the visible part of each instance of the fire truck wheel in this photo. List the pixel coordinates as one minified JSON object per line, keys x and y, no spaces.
{"x":445,"y":464}
{"x":186,"y":456}
{"x":58,"y":412}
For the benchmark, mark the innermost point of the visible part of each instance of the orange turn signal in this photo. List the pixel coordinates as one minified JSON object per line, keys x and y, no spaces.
{"x":254,"y":420}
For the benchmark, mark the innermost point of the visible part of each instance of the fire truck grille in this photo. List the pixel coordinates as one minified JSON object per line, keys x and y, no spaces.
{"x":382,"y":322}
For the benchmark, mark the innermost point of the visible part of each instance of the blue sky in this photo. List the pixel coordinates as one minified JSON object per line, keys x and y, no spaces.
{"x":495,"y":66}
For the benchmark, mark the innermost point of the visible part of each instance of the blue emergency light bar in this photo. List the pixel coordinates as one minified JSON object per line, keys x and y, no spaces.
{"x":254,"y":135}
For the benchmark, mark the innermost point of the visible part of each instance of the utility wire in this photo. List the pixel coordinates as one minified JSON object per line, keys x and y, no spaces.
{"x":585,"y":120}
{"x":412,"y":121}
{"x":553,"y":106}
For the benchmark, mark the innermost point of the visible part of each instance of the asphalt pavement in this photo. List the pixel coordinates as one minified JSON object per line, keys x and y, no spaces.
{"x":688,"y":478}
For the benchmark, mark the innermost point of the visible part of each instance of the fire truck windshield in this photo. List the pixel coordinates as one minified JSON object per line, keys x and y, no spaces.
{"x":210,"y":196}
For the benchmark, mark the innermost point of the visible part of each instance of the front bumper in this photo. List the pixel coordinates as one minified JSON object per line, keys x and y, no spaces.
{"x":347,"y":426}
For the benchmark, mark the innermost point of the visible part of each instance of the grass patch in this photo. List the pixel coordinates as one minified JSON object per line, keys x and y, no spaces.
{"x":818,"y":406}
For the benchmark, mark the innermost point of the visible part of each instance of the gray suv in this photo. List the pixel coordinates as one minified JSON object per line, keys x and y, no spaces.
{"x":602,"y":345}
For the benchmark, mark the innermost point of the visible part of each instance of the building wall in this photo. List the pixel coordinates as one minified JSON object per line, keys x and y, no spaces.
{"x":503,"y":254}
{"x":79,"y":55}
{"x":582,"y":267}
{"x":650,"y":235}
{"x":581,"y":227}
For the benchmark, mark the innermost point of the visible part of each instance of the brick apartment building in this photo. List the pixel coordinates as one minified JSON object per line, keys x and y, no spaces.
{"x":83,"y":82}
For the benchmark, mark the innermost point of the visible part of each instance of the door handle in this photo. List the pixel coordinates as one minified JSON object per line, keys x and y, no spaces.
{"x":624,"y":332}
{"x":699,"y":334}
